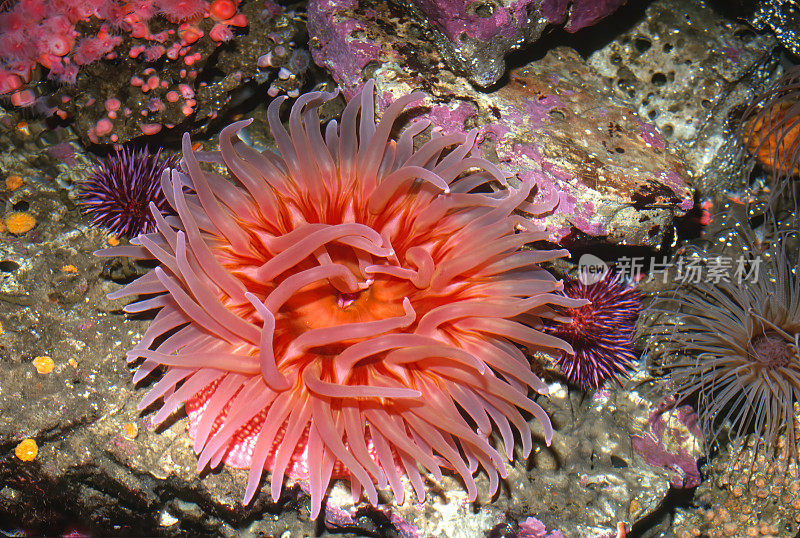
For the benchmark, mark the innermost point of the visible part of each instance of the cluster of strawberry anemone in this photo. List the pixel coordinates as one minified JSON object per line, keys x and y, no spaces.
{"x":36,"y":34}
{"x":348,"y":306}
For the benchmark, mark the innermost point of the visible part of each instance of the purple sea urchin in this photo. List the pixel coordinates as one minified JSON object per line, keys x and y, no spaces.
{"x":734,"y":348}
{"x":601,"y":333}
{"x":347,"y":303}
{"x":120,"y":188}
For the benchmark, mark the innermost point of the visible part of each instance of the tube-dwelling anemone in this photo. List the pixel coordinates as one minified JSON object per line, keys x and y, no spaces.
{"x":734,"y":349}
{"x":347,"y":306}
{"x":771,"y":127}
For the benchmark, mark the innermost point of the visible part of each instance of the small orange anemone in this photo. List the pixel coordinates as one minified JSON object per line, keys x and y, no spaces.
{"x":771,"y":125}
{"x":771,"y":137}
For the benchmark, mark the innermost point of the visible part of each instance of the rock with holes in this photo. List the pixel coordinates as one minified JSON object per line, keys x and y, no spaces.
{"x":556,"y":120}
{"x":686,"y":70}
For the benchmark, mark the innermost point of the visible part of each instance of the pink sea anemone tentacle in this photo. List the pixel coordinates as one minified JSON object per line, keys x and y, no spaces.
{"x":348,"y":306}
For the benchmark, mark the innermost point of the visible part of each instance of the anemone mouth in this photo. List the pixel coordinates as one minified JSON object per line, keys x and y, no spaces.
{"x":344,"y":300}
{"x":770,"y":349}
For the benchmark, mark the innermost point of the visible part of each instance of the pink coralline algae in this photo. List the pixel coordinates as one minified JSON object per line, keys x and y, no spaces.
{"x":650,"y":135}
{"x":533,"y":528}
{"x":454,"y":18}
{"x":453,"y":119}
{"x":341,"y":41}
{"x":671,"y":444}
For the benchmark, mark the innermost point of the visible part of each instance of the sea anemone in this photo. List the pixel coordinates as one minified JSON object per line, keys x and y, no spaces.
{"x":601,"y":333}
{"x":63,"y":73}
{"x":91,"y":49}
{"x":346,"y":306}
{"x":182,"y":10}
{"x":143,"y":10}
{"x":118,"y":193}
{"x":771,"y":127}
{"x":732,"y":349}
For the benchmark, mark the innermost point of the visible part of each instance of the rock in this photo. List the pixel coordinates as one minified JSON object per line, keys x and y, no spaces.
{"x":687,"y":71}
{"x":673,"y":443}
{"x":590,"y":482}
{"x":475,"y":37}
{"x":781,"y":17}
{"x":344,"y":42}
{"x":593,"y":478}
{"x":556,"y":119}
{"x":472,"y":37}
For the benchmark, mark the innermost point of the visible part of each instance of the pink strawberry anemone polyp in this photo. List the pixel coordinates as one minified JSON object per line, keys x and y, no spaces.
{"x":347,"y":306}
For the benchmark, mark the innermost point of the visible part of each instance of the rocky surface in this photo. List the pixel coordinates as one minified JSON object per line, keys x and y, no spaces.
{"x":689,"y":72}
{"x":475,"y":37}
{"x":556,"y":119}
{"x":617,"y":457}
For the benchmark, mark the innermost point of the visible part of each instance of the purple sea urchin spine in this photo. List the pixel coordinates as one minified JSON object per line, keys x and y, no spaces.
{"x":119,"y":190}
{"x":601,"y":333}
